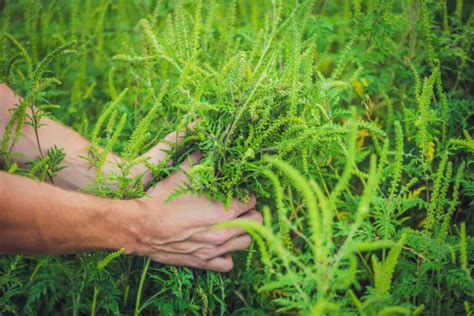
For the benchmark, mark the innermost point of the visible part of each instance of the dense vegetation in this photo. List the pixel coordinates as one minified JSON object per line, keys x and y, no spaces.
{"x":351,"y":121}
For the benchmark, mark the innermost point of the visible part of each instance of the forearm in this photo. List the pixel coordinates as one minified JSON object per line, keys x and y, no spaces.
{"x":41,"y":219}
{"x":78,"y":172}
{"x":38,"y":218}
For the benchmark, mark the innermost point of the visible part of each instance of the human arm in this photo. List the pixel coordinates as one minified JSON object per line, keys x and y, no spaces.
{"x":179,"y":232}
{"x":78,"y":172}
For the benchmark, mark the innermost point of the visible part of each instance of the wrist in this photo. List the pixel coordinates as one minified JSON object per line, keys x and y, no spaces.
{"x":127,"y":227}
{"x":139,"y":225}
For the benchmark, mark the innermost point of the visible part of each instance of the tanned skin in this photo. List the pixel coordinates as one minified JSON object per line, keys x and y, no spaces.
{"x":41,"y":218}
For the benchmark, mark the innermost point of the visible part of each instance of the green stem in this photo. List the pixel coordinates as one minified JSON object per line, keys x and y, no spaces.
{"x":140,"y":287}
{"x":94,"y":301}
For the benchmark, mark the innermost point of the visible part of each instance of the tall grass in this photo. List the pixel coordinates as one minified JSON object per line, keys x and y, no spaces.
{"x":350,"y":120}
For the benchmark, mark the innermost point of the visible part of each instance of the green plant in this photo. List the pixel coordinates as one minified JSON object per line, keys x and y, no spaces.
{"x":350,"y":120}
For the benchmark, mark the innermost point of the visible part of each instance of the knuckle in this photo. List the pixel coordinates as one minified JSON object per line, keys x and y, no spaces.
{"x":202,"y":255}
{"x":205,"y":253}
{"x":182,"y":247}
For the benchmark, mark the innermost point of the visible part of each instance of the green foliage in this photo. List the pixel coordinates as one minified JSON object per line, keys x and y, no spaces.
{"x":111,"y":256}
{"x":347,"y":120}
{"x":383,"y":272}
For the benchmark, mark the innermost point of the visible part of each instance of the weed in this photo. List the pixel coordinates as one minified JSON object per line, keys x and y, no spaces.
{"x":347,"y":119}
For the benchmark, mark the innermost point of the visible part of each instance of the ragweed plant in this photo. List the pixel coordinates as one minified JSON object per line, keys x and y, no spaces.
{"x":350,"y":121}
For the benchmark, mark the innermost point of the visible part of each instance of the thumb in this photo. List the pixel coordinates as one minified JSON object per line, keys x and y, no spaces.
{"x":177,"y":177}
{"x":161,"y":150}
{"x":191,"y":160}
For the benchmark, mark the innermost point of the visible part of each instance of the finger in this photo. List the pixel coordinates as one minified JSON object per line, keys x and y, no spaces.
{"x":176,"y":137}
{"x":176,"y":178}
{"x":239,"y":243}
{"x":192,"y":159}
{"x":220,"y":264}
{"x":234,"y":210}
{"x":219,"y":236}
{"x":206,"y":238}
{"x":239,"y":207}
{"x":161,"y":150}
{"x":184,"y":247}
{"x":175,"y":259}
{"x":180,"y":175}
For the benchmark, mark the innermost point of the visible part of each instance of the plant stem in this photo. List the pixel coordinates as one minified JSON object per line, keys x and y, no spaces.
{"x":94,"y":301}
{"x":35,"y":124}
{"x":140,"y":287}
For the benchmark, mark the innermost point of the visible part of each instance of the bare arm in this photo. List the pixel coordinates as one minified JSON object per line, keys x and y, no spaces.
{"x":64,"y":222}
{"x":78,"y":172}
{"x":38,"y":218}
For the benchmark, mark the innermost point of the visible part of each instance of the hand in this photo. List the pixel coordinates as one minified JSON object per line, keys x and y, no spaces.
{"x":159,"y":153}
{"x":181,"y":231}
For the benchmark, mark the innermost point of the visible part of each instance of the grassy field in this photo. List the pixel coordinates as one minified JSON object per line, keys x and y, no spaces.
{"x":350,"y":120}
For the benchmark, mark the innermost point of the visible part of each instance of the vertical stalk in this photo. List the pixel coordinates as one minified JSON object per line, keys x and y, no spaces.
{"x":75,"y":305}
{"x":94,"y":301}
{"x":140,"y":287}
